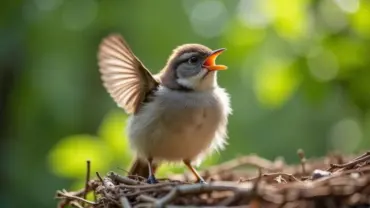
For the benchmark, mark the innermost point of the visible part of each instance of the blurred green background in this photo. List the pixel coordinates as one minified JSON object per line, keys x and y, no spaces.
{"x":298,"y":77}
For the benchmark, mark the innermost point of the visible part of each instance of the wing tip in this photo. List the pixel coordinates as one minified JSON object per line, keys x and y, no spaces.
{"x":109,"y":38}
{"x":112,"y":36}
{"x":132,"y":105}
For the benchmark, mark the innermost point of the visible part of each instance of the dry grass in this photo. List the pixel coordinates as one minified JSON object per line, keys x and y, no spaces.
{"x":333,"y":181}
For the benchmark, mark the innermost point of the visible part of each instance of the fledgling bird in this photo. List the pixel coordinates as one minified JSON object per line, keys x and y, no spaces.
{"x":179,"y":114}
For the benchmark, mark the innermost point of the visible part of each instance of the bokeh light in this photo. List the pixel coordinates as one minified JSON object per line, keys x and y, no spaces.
{"x":350,"y":6}
{"x":208,"y":18}
{"x":322,"y":64}
{"x":346,"y":135}
{"x":75,"y":18}
{"x":254,"y":13}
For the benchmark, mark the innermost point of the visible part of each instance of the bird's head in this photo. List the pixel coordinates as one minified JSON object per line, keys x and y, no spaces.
{"x":192,"y":67}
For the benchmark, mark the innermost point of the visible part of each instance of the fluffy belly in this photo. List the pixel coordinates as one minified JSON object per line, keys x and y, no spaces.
{"x":176,"y":134}
{"x":177,"y":126}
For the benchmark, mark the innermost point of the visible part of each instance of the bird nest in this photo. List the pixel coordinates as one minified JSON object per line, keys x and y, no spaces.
{"x":333,"y":181}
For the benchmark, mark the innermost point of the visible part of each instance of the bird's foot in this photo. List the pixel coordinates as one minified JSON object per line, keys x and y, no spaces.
{"x":152,"y":179}
{"x":201,"y":181}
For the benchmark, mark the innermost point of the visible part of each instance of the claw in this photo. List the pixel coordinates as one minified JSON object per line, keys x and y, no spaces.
{"x":152,"y":179}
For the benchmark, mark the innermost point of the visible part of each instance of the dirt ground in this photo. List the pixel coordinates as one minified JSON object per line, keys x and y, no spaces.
{"x":248,"y":181}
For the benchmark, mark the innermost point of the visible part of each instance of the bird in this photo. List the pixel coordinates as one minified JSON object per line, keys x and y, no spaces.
{"x":179,"y":115}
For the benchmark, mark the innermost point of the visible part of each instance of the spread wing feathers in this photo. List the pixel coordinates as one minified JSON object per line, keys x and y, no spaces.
{"x":123,"y":75}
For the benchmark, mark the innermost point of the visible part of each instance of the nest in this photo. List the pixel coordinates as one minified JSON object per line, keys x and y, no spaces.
{"x":333,"y":181}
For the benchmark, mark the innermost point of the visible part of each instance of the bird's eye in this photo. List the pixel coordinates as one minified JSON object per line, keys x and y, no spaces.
{"x":193,"y":60}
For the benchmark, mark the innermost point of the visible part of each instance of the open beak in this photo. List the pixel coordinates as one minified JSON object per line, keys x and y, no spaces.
{"x":210,"y":62}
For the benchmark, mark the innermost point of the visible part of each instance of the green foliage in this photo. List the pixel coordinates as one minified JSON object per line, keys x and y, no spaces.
{"x":112,"y":131}
{"x":68,"y":157}
{"x":298,"y":78}
{"x":275,"y":83}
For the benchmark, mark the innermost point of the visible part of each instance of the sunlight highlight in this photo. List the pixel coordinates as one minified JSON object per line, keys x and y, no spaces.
{"x":274,"y":83}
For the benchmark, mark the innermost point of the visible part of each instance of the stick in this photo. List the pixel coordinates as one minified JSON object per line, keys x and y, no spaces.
{"x":123,"y":179}
{"x":76,"y":204}
{"x":87,"y":180}
{"x":146,"y":198}
{"x":271,"y":175}
{"x":352,"y":163}
{"x":124,"y":202}
{"x":61,"y":194}
{"x":303,"y":159}
{"x":100,"y":178}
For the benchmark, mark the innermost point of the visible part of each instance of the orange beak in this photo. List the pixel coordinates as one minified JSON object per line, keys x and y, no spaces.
{"x":210,"y":62}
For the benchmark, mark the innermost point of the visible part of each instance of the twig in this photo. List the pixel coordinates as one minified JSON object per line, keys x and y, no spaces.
{"x":204,"y":188}
{"x":352,"y":163}
{"x":157,"y":185}
{"x":252,"y":160}
{"x":63,"y":203}
{"x":107,"y":182}
{"x":123,"y":179}
{"x":146,"y":198}
{"x":303,"y":160}
{"x":68,"y":196}
{"x":87,"y":180}
{"x":363,"y":155}
{"x":76,"y":204}
{"x":124,"y":202}
{"x":269,"y":176}
{"x":144,"y":205}
{"x":100,"y":178}
{"x":137,"y":177}
{"x":164,"y":189}
{"x":166,"y":199}
{"x":66,"y":201}
{"x":231,"y":199}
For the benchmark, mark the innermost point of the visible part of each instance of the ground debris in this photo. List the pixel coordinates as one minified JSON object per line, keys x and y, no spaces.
{"x":333,"y":181}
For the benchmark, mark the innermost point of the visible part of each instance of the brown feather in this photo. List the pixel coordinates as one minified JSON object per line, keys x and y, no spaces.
{"x":123,"y":74}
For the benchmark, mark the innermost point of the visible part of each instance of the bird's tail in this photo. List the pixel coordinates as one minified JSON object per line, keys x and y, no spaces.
{"x":140,"y":167}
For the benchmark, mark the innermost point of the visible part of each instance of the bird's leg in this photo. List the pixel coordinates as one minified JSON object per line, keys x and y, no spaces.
{"x":192,"y":169}
{"x":151,"y":178}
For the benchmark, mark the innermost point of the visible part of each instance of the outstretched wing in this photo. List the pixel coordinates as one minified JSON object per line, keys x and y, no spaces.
{"x":123,"y":74}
